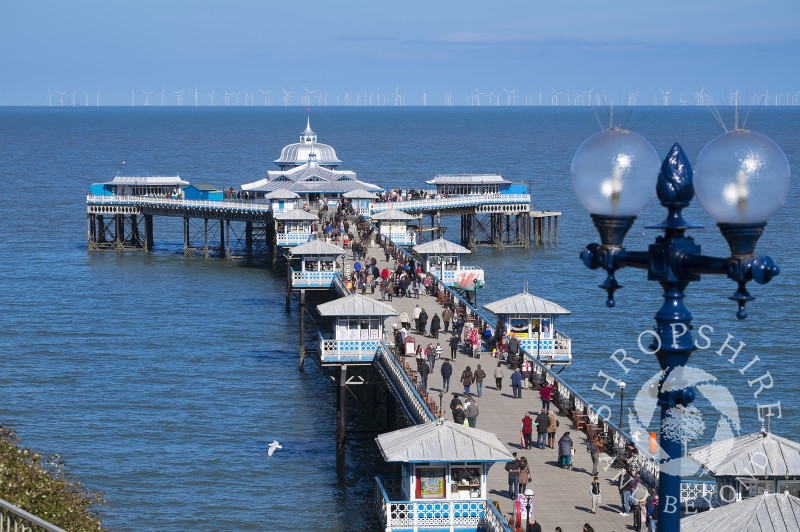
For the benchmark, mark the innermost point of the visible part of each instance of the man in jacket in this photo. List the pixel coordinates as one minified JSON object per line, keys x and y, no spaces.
{"x":516,"y":380}
{"x":542,"y":424}
{"x":423,"y":322}
{"x":623,"y":483}
{"x":446,"y":316}
{"x":447,"y":371}
{"x":513,"y":468}
{"x":453,"y":346}
{"x":472,"y":411}
{"x":594,"y":453}
{"x":479,"y":376}
{"x":415,"y":315}
{"x":424,"y":371}
{"x":499,"y":374}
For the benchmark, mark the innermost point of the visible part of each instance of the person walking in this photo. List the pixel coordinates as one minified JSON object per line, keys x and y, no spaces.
{"x":527,"y":430}
{"x":594,"y":453}
{"x":513,"y":347}
{"x":415,"y":314}
{"x":551,"y":430}
{"x":542,"y":424}
{"x":423,"y":322}
{"x":420,"y":356}
{"x":405,"y":321}
{"x":513,"y":477}
{"x":565,"y":450}
{"x":436,"y":324}
{"x":459,"y":415}
{"x":499,"y":374}
{"x":595,"y":491}
{"x":466,"y":379}
{"x":652,"y":515}
{"x":633,"y":483}
{"x":438,"y":350}
{"x":415,"y":287}
{"x":525,"y":369}
{"x":430,"y":353}
{"x":479,"y":376}
{"x":447,"y":371}
{"x":446,"y":316}
{"x":453,"y":346}
{"x":524,"y":474}
{"x":639,"y":516}
{"x":545,"y":393}
{"x":424,"y":371}
{"x":472,"y":411}
{"x":622,"y":485}
{"x":455,"y":402}
{"x":516,"y":379}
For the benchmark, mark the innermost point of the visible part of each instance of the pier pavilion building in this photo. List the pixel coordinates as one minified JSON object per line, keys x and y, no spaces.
{"x":151,"y":185}
{"x":475,"y":184}
{"x":442,"y":258}
{"x":308,"y":168}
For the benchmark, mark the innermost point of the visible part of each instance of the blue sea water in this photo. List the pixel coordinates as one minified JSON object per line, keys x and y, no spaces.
{"x":161,"y":379}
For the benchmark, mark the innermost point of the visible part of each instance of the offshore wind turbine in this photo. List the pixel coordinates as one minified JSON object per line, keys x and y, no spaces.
{"x":266,"y":95}
{"x":133,"y":99}
{"x":195,"y":95}
{"x":163,"y":96}
{"x":147,"y":97}
{"x":49,"y":97}
{"x":179,"y":94}
{"x":212,"y":96}
{"x":287,"y":97}
{"x":98,"y":97}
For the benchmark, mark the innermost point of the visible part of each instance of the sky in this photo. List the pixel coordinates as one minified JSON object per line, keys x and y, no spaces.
{"x":421,"y":50}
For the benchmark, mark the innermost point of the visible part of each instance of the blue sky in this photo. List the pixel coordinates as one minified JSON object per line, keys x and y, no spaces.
{"x":614,"y":47}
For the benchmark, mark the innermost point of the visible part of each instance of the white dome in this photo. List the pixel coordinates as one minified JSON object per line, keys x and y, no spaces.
{"x":298,"y":154}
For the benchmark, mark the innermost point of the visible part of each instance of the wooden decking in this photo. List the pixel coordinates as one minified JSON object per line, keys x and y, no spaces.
{"x":561,"y":496}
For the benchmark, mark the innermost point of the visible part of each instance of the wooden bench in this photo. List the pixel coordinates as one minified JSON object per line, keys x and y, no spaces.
{"x":579,"y":420}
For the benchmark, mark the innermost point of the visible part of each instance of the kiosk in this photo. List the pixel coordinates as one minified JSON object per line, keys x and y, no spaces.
{"x":393,"y":224}
{"x":357,"y":329}
{"x":442,"y":258}
{"x":293,"y":227}
{"x":318,"y":264}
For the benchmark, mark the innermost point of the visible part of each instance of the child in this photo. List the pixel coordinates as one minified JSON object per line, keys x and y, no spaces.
{"x":594,"y":489}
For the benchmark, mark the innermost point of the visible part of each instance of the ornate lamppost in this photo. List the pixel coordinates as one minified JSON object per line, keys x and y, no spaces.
{"x":741,"y":179}
{"x":621,"y":397}
{"x":528,"y":500}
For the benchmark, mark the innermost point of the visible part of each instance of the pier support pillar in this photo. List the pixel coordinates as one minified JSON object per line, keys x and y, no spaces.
{"x":341,"y":424}
{"x":186,"y":236}
{"x":227,"y":239}
{"x":302,"y":330}
{"x":288,"y":286}
{"x":549,"y":220}
{"x":119,"y":230}
{"x":248,"y":238}
{"x":205,"y":236}
{"x":148,"y":232}
{"x":135,"y":241}
{"x":555,"y":229}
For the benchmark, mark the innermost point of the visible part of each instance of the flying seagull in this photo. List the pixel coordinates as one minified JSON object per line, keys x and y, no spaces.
{"x":272,"y":446}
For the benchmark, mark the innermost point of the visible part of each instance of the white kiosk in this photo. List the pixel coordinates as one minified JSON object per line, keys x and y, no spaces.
{"x":293,"y":227}
{"x":394,"y":225}
{"x":318,"y":264}
{"x":442,"y":258}
{"x":282,"y":200}
{"x":357,"y":329}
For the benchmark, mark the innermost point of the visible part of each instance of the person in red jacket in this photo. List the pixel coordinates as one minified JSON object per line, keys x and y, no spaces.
{"x":545,"y":394}
{"x":527,"y":429}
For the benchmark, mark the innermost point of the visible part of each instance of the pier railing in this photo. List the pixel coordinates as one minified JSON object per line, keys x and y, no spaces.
{"x":415,"y":406}
{"x":523,"y":200}
{"x":306,"y":279}
{"x":224,"y":205}
{"x":468,"y":514}
{"x":698,"y":494}
{"x":18,"y":520}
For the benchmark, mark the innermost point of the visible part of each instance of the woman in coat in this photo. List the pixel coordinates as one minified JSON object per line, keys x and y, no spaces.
{"x":565,"y":451}
{"x":524,"y":474}
{"x":435,"y":326}
{"x":527,"y":429}
{"x":551,"y":429}
{"x":466,"y":379}
{"x":405,"y":321}
{"x":459,"y":415}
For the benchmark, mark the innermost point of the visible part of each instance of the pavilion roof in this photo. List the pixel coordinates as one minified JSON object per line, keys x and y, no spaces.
{"x":773,"y":512}
{"x":440,"y":246}
{"x":525,"y":303}
{"x":442,"y":441}
{"x":761,"y":454}
{"x":355,"y":305}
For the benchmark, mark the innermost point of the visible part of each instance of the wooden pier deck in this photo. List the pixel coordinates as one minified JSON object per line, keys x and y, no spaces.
{"x":561,"y":496}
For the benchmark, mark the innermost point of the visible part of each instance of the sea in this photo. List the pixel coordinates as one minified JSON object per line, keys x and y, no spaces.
{"x":161,"y":379}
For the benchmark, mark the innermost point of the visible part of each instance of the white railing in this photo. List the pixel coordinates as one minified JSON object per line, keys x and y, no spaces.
{"x":225,"y":205}
{"x":18,"y":520}
{"x":312,"y":279}
{"x":556,"y":349}
{"x":477,"y":514}
{"x":292,"y":239}
{"x":452,"y":202}
{"x":698,"y":494}
{"x":412,"y":402}
{"x":343,"y":351}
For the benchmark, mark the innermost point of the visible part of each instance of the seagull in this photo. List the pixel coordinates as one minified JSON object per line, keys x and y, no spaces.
{"x":272,"y":446}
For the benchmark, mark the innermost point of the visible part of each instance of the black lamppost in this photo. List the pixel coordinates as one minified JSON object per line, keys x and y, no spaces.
{"x":528,"y":500}
{"x":621,"y":397}
{"x":475,"y":282}
{"x":742,"y":179}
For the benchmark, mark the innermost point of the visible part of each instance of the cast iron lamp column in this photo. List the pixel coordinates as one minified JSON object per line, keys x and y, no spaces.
{"x":621,"y":397}
{"x":528,"y":499}
{"x":742,"y":179}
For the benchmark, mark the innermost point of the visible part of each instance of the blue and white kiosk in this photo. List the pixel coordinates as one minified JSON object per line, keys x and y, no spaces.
{"x":281,"y":200}
{"x":318,"y":264}
{"x":361,"y":200}
{"x":442,"y":258}
{"x":393,"y":224}
{"x":530,"y":319}
{"x":293,"y":227}
{"x":443,"y":485}
{"x":357,"y":329}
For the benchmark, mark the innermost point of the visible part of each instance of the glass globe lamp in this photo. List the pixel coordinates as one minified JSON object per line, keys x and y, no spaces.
{"x":614,"y":173}
{"x":741,"y":177}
